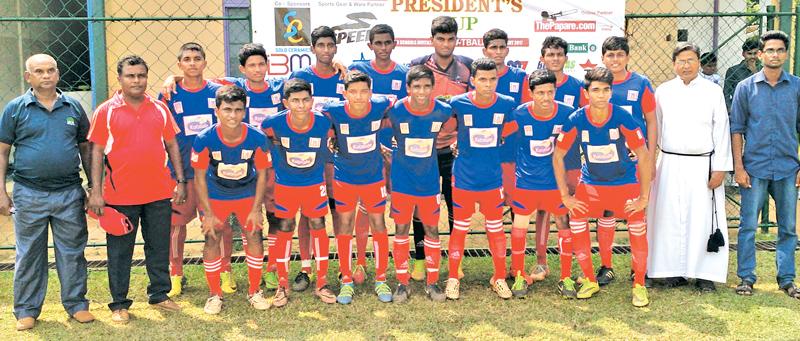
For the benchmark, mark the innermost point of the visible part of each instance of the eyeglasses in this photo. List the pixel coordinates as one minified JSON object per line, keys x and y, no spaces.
{"x":683,"y":62}
{"x":775,"y":51}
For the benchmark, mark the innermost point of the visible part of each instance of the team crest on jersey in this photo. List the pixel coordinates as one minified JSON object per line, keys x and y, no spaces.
{"x":498,"y":118}
{"x":513,"y":87}
{"x":602,"y":154}
{"x":585,"y":136}
{"x":301,"y":160}
{"x":194,"y":124}
{"x":633,"y":95}
{"x":232,"y":172}
{"x":178,"y":105}
{"x":542,"y":148}
{"x":396,"y":84}
{"x":339,"y":88}
{"x":419,"y":147}
{"x":436,"y":126}
{"x":468,"y":120}
{"x":276,"y":99}
{"x":216,"y":155}
{"x":71,"y":121}
{"x":344,"y":128}
{"x":556,"y":129}
{"x":376,"y":125}
{"x":404,"y":128}
{"x":613,"y":134}
{"x":212,"y":103}
{"x":483,"y":137}
{"x":528,"y":130}
{"x":569,"y":100}
{"x":361,"y":144}
{"x":314,"y":142}
{"x":285,"y":142}
{"x":247,"y":153}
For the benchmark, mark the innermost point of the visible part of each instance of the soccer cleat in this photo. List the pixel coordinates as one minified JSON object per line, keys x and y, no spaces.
{"x":418,"y":270}
{"x":435,"y":293}
{"x":383,"y":291}
{"x":346,"y":293}
{"x":281,"y":297}
{"x":258,"y":301}
{"x":228,"y":284}
{"x":567,"y":288}
{"x":325,"y":294}
{"x":451,"y":288}
{"x":605,"y":275}
{"x":271,"y":280}
{"x":177,"y":286}
{"x":520,"y":287}
{"x":213,"y":305}
{"x":301,"y":282}
{"x":587,"y":289}
{"x":359,"y":274}
{"x":501,"y":288}
{"x":639,"y":298}
{"x":401,"y":293}
{"x":539,"y":272}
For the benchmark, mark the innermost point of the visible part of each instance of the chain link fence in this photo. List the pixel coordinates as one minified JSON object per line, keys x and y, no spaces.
{"x":87,"y":37}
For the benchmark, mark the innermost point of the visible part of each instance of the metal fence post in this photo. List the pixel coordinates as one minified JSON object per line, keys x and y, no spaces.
{"x":770,"y":18}
{"x":786,"y":24}
{"x":796,"y":37}
{"x":97,"y":52}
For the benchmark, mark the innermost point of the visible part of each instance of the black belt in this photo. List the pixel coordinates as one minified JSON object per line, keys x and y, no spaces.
{"x":685,"y":154}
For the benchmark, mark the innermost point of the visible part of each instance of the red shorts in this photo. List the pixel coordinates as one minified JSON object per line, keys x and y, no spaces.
{"x":240,"y":207}
{"x":184,"y":214}
{"x":607,"y":201}
{"x":527,"y":201}
{"x":509,"y":181}
{"x":373,"y":196}
{"x":269,"y":191}
{"x":311,"y":201}
{"x":428,"y":208}
{"x":491,"y":203}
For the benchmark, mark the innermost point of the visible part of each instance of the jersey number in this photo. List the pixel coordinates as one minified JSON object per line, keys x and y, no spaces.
{"x":323,"y":191}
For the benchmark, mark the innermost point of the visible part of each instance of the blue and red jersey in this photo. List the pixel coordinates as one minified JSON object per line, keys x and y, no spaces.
{"x":477,"y":166}
{"x":325,"y":88}
{"x":569,"y":92}
{"x":415,"y":168}
{"x":635,"y":95}
{"x":298,"y":156}
{"x":390,"y":82}
{"x":193,"y":111}
{"x":260,"y":103}
{"x":512,"y":82}
{"x":606,"y":160}
{"x":358,"y":158}
{"x":231,"y":167}
{"x":537,"y":140}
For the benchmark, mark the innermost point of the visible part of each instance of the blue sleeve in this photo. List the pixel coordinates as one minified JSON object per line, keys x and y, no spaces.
{"x":740,"y":108}
{"x":83,"y":124}
{"x":626,"y":121}
{"x":8,"y":123}
{"x":199,"y":143}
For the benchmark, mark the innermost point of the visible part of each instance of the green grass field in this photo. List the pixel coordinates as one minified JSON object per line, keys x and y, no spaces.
{"x":673,"y":314}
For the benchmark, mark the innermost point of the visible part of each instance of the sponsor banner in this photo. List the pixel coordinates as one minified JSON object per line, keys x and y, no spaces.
{"x":284,"y":27}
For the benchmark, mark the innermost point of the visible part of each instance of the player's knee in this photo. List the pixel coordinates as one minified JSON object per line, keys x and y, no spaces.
{"x":317,"y":223}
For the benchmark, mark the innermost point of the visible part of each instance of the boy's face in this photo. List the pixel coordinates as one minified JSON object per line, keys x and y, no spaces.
{"x":710,"y":68}
{"x":444,"y":44}
{"x":299,"y":102}
{"x":420,"y":90}
{"x":382,"y":45}
{"x":497,"y":50}
{"x":230,"y":114}
{"x":543,"y":96}
{"x":616,"y":60}
{"x":358,"y":93}
{"x":554,"y":59}
{"x":324,"y":50}
{"x":485,"y":82}
{"x":192,"y":63}
{"x":598,"y":93}
{"x":255,"y":68}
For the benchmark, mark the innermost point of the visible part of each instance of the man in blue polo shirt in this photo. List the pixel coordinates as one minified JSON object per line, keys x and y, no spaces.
{"x":765,"y":113}
{"x":49,"y":132}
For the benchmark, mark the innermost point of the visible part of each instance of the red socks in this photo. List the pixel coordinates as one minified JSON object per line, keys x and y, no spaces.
{"x":213,"y":268}
{"x":380,"y":246}
{"x":565,"y":248}
{"x":497,"y":244}
{"x":344,"y":246}
{"x":321,"y":252}
{"x":605,"y":239}
{"x":433,"y":257}
{"x":401,"y":256}
{"x":362,"y":236}
{"x":255,"y":263}
{"x":518,"y":236}
{"x":582,"y":245}
{"x":455,"y":248}
{"x":637,"y":230}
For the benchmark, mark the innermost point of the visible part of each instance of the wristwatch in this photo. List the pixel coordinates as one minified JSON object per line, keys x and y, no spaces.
{"x":181,"y":181}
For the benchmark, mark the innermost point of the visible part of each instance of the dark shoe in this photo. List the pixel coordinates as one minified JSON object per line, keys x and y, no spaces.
{"x":400,"y":294}
{"x":705,"y":286}
{"x":605,"y":276}
{"x":435,"y":293}
{"x":792,"y":290}
{"x":301,"y":282}
{"x":745,"y":288}
{"x":674,"y":282}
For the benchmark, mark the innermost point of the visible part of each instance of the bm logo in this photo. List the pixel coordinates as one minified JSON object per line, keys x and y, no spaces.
{"x":289,"y":26}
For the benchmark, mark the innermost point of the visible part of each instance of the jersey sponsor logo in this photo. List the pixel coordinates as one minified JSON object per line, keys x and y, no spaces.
{"x":344,"y":128}
{"x":633,"y":95}
{"x":301,"y":159}
{"x":569,"y":100}
{"x":276,"y":99}
{"x":258,"y":115}
{"x":314,"y":142}
{"x":212,"y":103}
{"x":628,"y":108}
{"x":247,"y":153}
{"x":232,"y":172}
{"x":613,"y":134}
{"x":513,"y":87}
{"x":285,"y":142}
{"x":320,"y":101}
{"x":557,"y":129}
{"x":178,"y":105}
{"x":528,"y":130}
{"x":602,"y":154}
{"x":483,"y":137}
{"x":436,"y":126}
{"x":390,"y":97}
{"x":216,"y":155}
{"x":361,"y":144}
{"x":468,"y":120}
{"x":542,"y":148}
{"x":498,"y":118}
{"x":194,"y":124}
{"x":420,"y":148}
{"x":585,"y":136}
{"x":404,"y":128}
{"x":376,"y":125}
{"x":396,"y":84}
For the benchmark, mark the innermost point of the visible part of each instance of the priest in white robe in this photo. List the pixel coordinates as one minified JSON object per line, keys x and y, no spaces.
{"x":694,"y":156}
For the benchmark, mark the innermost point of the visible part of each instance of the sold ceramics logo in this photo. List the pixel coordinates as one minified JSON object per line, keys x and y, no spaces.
{"x":290,"y":26}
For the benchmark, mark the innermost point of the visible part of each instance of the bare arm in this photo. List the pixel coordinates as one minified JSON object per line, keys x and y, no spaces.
{"x":174,"y":154}
{"x":255,"y":218}
{"x":85,"y":150}
{"x":5,"y":200}
{"x":560,"y":172}
{"x":740,"y":174}
{"x":645,"y":172}
{"x":210,"y":221}
{"x":96,"y":201}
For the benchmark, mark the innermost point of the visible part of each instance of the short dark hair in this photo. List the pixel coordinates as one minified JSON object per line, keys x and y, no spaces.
{"x":322,"y":32}
{"x":750,"y":43}
{"x":191,"y":46}
{"x":773,"y":35}
{"x":494,"y":34}
{"x":553,"y":42}
{"x":131,"y":60}
{"x":444,"y":24}
{"x":708,"y":58}
{"x":484,"y":64}
{"x":598,"y":74}
{"x":685,"y":46}
{"x":541,"y":76}
{"x":615,"y":43}
{"x":356,"y":76}
{"x":296,"y":85}
{"x":249,"y":50}
{"x":418,"y":72}
{"x":230,"y":94}
{"x":380,"y":29}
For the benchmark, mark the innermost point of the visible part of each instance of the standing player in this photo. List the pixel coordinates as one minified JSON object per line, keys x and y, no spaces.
{"x":388,"y":80}
{"x":452,"y":74}
{"x":231,"y":158}
{"x":634,"y":93}
{"x":537,"y":125}
{"x":477,"y":177}
{"x":415,"y":123}
{"x":192,"y":107}
{"x":358,"y":176}
{"x":608,"y":187}
{"x":299,"y":137}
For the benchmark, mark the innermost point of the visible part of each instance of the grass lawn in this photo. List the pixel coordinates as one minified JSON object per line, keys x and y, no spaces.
{"x":673,"y":314}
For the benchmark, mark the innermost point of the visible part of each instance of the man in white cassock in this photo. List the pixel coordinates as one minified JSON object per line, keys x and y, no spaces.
{"x":695,"y":155}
